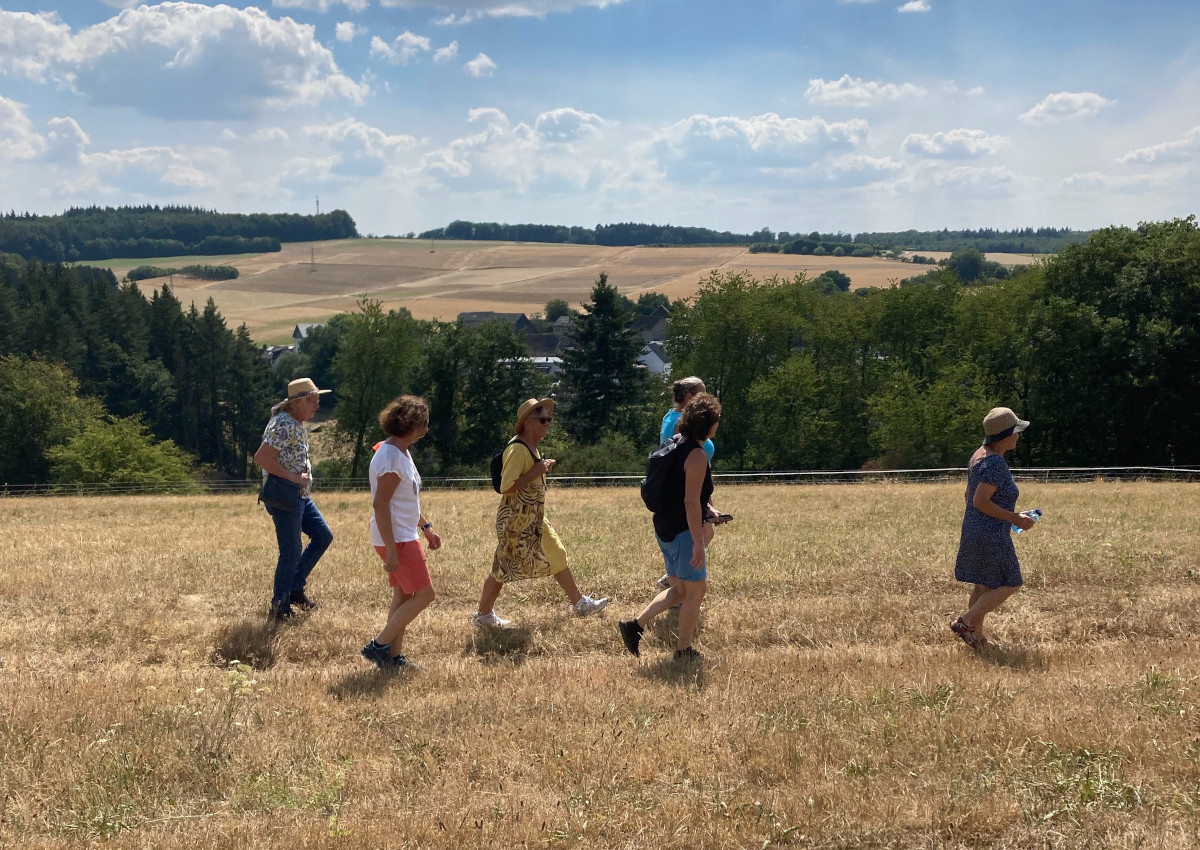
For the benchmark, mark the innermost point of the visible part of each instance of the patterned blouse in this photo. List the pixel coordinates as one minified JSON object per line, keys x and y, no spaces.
{"x":287,"y":435}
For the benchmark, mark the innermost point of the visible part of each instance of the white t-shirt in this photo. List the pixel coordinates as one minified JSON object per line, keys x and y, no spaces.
{"x":406,"y":500}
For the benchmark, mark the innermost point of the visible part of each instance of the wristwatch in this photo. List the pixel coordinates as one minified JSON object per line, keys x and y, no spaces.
{"x":427,"y":526}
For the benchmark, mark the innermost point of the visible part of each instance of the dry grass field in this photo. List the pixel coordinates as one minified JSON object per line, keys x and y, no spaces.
{"x":310,"y":283}
{"x":833,"y":708}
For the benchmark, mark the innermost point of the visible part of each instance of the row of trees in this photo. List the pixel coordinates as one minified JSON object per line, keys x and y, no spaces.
{"x":100,"y":233}
{"x":1098,"y":346}
{"x":1041,"y":240}
{"x":201,"y":271}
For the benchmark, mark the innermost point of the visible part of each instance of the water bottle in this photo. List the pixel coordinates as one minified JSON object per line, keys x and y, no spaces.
{"x":1034,"y":515}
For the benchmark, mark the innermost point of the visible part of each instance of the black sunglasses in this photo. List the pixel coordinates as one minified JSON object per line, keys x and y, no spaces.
{"x":545,"y":420}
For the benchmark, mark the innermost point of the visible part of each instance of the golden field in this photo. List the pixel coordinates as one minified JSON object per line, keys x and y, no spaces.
{"x":834,"y":708}
{"x":310,"y":283}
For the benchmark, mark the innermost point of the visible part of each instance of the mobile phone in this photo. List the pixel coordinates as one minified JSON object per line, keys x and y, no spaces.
{"x":722,"y":519}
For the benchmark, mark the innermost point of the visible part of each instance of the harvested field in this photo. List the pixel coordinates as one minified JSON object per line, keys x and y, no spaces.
{"x":275,"y":291}
{"x":833,"y":708}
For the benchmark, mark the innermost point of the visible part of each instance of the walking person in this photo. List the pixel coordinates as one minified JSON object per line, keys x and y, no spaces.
{"x":528,"y":546}
{"x":683,"y":391}
{"x":986,"y":555}
{"x":397,"y":524}
{"x":679,"y":530}
{"x":283,"y":456}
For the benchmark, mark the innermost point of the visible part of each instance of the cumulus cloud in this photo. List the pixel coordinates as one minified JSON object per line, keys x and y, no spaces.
{"x":321,"y":6}
{"x":466,"y":11}
{"x":65,"y":140}
{"x":168,"y":60}
{"x":18,"y":139}
{"x":956,"y":144}
{"x":857,"y":169}
{"x":1065,"y":105}
{"x":445,"y":54}
{"x":980,"y":180}
{"x":915,"y":6}
{"x":160,"y":164}
{"x":347,"y":31}
{"x":404,"y":48}
{"x":566,"y":124}
{"x":481,"y":66}
{"x":1178,"y":150}
{"x":854,"y":91}
{"x":361,"y":150}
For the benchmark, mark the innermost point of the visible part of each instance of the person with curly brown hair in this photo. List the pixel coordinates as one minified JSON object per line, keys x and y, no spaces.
{"x":397,"y":525}
{"x":679,"y":529}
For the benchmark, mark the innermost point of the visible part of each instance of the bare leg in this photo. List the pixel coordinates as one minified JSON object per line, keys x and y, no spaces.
{"x":665,"y":600}
{"x":491,"y":592}
{"x":689,"y":614}
{"x":567,"y":582}
{"x":411,"y":604}
{"x":983,"y":604}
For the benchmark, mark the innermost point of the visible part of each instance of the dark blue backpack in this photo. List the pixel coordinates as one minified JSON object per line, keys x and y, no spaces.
{"x":658,"y":468}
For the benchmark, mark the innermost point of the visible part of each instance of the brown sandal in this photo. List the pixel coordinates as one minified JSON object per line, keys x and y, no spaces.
{"x":965,"y":632}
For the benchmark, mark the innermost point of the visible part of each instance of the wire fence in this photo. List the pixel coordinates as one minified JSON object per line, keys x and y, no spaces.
{"x":856,"y":476}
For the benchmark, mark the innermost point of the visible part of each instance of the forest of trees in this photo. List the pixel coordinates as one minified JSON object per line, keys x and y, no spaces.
{"x":1098,"y":346}
{"x":1040,"y":240}
{"x":101,"y":233}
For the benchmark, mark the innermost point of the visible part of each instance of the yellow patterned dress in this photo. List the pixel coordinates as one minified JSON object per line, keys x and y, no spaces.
{"x":528,"y":546}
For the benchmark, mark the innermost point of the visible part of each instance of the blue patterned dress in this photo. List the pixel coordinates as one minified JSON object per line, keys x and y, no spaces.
{"x":985,"y":553}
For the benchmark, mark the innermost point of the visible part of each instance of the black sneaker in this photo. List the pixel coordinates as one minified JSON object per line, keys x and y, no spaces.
{"x":688,"y":655}
{"x":398,"y":662}
{"x":376,"y":653}
{"x":281,"y":613}
{"x":631,"y":635}
{"x":300,"y":600}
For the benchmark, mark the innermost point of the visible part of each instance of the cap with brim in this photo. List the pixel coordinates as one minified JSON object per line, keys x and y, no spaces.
{"x":527,"y":407}
{"x":1001,"y":422}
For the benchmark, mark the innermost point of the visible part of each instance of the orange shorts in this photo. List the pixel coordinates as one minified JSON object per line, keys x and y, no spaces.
{"x":413,"y":572}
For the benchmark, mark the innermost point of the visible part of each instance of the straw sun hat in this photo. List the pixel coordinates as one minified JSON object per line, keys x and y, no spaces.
{"x":299,"y":388}
{"x":1000,"y":423}
{"x":527,"y":407}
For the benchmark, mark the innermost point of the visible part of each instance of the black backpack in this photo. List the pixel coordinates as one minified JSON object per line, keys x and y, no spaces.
{"x":498,"y":461}
{"x":658,"y":468}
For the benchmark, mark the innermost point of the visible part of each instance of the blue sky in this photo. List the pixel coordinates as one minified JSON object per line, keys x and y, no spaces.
{"x":797,"y":115}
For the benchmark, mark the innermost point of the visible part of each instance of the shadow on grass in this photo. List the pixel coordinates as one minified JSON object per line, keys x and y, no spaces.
{"x":679,"y":674}
{"x":1014,"y":658}
{"x":252,"y":642}
{"x":368,"y":682}
{"x":492,"y":645}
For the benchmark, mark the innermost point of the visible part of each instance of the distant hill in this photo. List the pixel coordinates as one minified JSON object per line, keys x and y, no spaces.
{"x":101,"y":233}
{"x":1028,"y":240}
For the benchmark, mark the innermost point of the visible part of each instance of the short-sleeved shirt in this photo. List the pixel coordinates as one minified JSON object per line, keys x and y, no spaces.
{"x":986,"y":554}
{"x":671,"y":518}
{"x":668,"y":431}
{"x":405,"y":505}
{"x":518,"y":459}
{"x":286,"y":434}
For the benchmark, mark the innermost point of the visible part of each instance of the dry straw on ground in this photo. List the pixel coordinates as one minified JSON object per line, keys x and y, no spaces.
{"x":833,"y":708}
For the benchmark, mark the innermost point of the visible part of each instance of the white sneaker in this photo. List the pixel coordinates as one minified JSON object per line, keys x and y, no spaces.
{"x":489,"y":621}
{"x":664,"y":582}
{"x":587,"y":605}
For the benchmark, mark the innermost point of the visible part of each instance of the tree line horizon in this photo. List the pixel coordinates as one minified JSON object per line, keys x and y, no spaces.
{"x":1097,"y":345}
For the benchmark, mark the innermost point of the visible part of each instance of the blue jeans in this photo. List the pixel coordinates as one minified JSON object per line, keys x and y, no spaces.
{"x":295,"y":560}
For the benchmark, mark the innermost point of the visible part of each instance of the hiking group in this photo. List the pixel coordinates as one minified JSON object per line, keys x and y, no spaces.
{"x":678,"y":489}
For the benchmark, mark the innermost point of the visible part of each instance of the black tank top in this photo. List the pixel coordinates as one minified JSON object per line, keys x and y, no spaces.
{"x":671,"y":518}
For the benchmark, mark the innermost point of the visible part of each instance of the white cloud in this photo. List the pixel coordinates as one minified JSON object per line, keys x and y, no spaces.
{"x":992,"y":180}
{"x":1095,"y":182}
{"x":956,"y":144}
{"x":481,"y":66}
{"x":360,"y":149}
{"x":854,"y":91}
{"x":18,"y":139}
{"x":1178,"y":150}
{"x":65,"y":140}
{"x":321,"y":6}
{"x":466,"y":11}
{"x":1065,"y":105}
{"x":404,"y":48}
{"x":915,"y":6}
{"x":347,"y":31}
{"x":168,"y":60}
{"x":269,"y":134}
{"x":567,"y":124}
{"x":859,"y":169}
{"x":445,"y":54}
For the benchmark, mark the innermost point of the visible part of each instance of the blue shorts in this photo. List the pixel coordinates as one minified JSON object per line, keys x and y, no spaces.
{"x":678,"y":555}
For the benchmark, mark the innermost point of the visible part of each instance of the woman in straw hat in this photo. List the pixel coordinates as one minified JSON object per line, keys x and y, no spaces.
{"x":284,"y":455}
{"x":986,"y":555}
{"x":528,"y":546}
